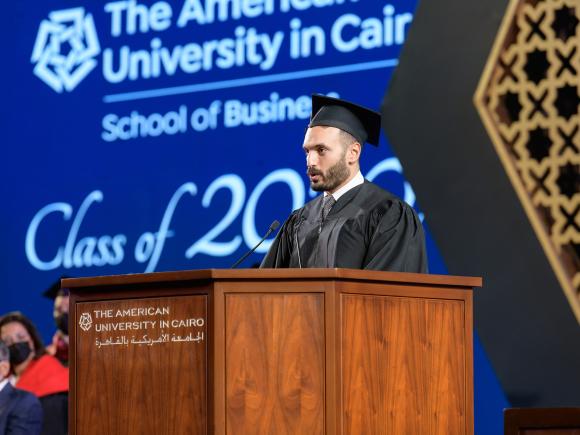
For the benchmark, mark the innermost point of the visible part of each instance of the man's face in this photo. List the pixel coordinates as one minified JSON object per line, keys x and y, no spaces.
{"x":61,"y":303}
{"x":60,"y":313}
{"x":326,"y":162}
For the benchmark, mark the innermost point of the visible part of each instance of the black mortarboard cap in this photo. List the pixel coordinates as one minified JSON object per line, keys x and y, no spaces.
{"x":362,"y":123}
{"x":54,"y":290}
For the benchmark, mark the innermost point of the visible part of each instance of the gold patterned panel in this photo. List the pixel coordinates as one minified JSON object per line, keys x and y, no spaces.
{"x":529,"y":99}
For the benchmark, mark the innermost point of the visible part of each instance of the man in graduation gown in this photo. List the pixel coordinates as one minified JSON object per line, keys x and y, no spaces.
{"x":354,"y":223}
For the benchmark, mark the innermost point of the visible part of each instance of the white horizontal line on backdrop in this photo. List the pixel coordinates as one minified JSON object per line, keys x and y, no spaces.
{"x":249,"y":81}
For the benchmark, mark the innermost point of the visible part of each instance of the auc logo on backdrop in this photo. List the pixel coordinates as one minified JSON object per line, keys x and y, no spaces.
{"x":72,"y":30}
{"x":67,"y":46}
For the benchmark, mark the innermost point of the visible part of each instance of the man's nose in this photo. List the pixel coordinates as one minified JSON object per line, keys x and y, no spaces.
{"x":311,"y":160}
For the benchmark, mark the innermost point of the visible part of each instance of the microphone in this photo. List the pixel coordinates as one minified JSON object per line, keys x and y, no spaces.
{"x":273,"y":226}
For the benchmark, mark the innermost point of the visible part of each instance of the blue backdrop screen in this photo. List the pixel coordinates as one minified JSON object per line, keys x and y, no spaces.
{"x":147,"y":136}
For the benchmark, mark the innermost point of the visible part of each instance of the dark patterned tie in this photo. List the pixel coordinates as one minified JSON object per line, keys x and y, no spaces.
{"x":327,"y":202}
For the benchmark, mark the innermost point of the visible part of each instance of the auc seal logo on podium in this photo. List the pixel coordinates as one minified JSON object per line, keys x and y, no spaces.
{"x":85,"y":321}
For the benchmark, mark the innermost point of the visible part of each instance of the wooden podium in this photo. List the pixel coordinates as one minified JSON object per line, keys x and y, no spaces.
{"x":286,"y":351}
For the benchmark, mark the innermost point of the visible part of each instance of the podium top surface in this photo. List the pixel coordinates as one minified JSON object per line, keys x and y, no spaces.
{"x":274,"y":274}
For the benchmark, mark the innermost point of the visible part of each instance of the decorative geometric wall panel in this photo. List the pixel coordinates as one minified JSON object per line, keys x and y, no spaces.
{"x":529,"y":99}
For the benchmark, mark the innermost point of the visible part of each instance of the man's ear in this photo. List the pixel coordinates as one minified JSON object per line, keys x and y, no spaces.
{"x":353,"y":153}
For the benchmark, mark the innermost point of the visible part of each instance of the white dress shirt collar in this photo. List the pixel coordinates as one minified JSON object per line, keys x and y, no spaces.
{"x":3,"y":384}
{"x":356,"y":180}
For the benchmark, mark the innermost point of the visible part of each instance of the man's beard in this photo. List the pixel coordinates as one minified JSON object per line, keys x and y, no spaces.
{"x":334,"y":177}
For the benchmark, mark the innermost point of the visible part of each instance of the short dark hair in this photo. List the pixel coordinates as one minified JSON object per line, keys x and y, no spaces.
{"x":4,"y":352}
{"x":346,"y":138}
{"x":17,"y":316}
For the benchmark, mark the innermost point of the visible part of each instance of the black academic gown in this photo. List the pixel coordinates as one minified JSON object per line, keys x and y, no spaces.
{"x":367,"y":228}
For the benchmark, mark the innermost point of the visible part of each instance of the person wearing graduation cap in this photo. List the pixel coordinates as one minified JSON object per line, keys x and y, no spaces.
{"x":354,"y":223}
{"x":59,"y":345}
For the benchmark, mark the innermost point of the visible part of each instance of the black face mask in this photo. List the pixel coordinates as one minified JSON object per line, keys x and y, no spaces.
{"x":19,"y":352}
{"x":62,"y":322}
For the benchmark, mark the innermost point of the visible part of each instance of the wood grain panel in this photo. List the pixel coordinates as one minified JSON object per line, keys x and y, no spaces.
{"x":403,"y":369}
{"x":149,"y":379}
{"x":275,"y":364}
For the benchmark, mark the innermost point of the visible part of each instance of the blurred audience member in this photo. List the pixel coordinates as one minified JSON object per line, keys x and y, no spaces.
{"x":59,"y":346}
{"x":36,"y":371}
{"x":20,"y":411}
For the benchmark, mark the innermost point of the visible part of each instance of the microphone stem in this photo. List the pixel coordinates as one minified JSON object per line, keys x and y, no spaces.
{"x":252,"y":250}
